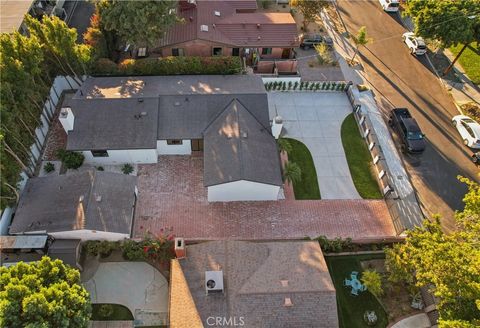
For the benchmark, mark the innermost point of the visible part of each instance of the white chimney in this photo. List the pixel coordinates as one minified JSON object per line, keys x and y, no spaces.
{"x":277,"y":126}
{"x":67,"y":119}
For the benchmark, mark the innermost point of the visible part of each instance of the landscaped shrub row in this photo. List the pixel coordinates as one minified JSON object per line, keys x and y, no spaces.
{"x":338,"y":245}
{"x":169,"y":66}
{"x":147,"y":249}
{"x":313,"y":86}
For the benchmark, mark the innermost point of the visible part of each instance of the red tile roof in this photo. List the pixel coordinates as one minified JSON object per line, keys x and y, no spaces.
{"x":233,"y":28}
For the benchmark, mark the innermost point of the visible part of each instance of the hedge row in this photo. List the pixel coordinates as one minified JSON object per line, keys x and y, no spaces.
{"x":284,"y":86}
{"x":169,"y":66}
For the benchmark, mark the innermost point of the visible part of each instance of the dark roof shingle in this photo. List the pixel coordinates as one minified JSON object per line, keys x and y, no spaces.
{"x":91,"y":200}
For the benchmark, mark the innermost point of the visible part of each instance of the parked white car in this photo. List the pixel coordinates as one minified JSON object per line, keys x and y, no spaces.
{"x":390,"y":5}
{"x":468,"y":129}
{"x":416,"y":44}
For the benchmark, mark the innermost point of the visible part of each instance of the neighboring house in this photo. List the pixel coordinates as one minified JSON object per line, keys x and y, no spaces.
{"x":120,"y":120}
{"x":252,"y":284}
{"x":230,"y":28}
{"x":85,"y":205}
{"x":12,"y":13}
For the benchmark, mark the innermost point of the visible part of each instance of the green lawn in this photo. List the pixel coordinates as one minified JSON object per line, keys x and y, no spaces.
{"x":359,"y":160}
{"x":351,"y":308}
{"x":120,"y":312}
{"x":308,"y":187}
{"x":470,"y":60}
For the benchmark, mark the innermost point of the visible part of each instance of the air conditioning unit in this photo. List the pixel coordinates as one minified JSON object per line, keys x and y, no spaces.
{"x":213,"y":282}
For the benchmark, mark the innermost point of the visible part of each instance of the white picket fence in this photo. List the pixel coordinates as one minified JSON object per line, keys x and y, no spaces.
{"x":60,"y":84}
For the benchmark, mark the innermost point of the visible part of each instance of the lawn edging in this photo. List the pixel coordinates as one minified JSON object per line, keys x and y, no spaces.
{"x":308,"y":187}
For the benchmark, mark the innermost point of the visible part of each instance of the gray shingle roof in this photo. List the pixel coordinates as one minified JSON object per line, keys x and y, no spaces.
{"x":248,"y":150}
{"x":186,"y":117}
{"x":155,"y":86}
{"x":113,"y":124}
{"x":253,"y":274}
{"x":54,"y":203}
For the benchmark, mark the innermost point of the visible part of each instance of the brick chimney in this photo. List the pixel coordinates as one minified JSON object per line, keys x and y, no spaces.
{"x":180,"y":250}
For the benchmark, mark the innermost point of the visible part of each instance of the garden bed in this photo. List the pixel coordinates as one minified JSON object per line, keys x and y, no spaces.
{"x":359,"y":160}
{"x":351,"y":309}
{"x":118,"y":313}
{"x":307,"y":188}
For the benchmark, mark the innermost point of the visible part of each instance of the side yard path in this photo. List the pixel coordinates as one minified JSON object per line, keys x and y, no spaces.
{"x":171,"y":194}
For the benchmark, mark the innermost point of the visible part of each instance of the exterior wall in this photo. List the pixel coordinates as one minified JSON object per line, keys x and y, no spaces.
{"x":142,"y":156}
{"x":89,"y":235}
{"x":242,"y":190}
{"x":164,"y":149}
{"x":197,"y":48}
{"x":276,"y":53}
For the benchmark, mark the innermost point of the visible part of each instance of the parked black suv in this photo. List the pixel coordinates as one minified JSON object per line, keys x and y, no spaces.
{"x":413,"y":140}
{"x":311,"y":40}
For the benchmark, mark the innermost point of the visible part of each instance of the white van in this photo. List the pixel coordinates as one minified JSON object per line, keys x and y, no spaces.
{"x":390,"y":5}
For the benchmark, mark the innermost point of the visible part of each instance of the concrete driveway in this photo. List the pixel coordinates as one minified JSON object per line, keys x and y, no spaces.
{"x":315,"y":118}
{"x":136,"y":285}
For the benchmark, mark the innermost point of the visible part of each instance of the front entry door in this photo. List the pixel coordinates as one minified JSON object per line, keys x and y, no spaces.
{"x":197,"y":144}
{"x":286,"y":53}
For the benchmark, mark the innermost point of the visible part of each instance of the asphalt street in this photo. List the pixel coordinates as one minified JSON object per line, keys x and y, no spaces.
{"x":402,"y":80}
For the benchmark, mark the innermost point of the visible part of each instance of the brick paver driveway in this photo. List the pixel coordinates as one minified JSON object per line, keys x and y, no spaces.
{"x":171,"y":194}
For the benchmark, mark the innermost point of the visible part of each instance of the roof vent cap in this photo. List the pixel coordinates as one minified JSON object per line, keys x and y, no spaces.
{"x":258,"y":25}
{"x":204,"y":28}
{"x":288,"y":302}
{"x":98,"y":198}
{"x":244,"y":135}
{"x":217,"y":13}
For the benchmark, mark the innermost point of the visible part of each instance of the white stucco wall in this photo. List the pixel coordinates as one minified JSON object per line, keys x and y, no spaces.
{"x":89,"y":235}
{"x":242,"y":190}
{"x":142,"y":156}
{"x":164,"y":149}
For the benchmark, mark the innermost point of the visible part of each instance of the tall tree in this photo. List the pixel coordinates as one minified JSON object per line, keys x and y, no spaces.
{"x":309,"y":9}
{"x":59,"y":42}
{"x":449,"y":263}
{"x":46,"y":293}
{"x":450,"y":22}
{"x":138,"y":22}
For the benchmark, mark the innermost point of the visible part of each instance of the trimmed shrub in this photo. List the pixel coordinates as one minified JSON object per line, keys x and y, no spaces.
{"x":71,"y":159}
{"x":295,"y":85}
{"x":323,"y":85}
{"x":105,"y":66}
{"x":49,"y":167}
{"x":127,"y":169}
{"x":289,"y":85}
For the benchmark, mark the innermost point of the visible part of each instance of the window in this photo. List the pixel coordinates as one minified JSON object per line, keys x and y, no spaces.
{"x":99,"y":153}
{"x":178,"y":52}
{"x":217,"y":51}
{"x":174,"y":142}
{"x":266,"y":51}
{"x":235,"y":51}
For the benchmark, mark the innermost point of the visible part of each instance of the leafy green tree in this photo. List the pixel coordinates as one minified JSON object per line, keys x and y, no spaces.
{"x":450,"y":22}
{"x":373,"y":281}
{"x":309,"y":9}
{"x":59,"y":43}
{"x":138,"y":21}
{"x":292,"y":172}
{"x":450,"y":263}
{"x":361,"y":39}
{"x":46,"y":293}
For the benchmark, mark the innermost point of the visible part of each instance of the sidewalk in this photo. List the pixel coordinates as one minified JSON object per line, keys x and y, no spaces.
{"x":406,"y":202}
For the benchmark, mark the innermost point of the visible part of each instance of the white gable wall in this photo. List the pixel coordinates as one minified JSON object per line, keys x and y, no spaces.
{"x":140,"y":156}
{"x":165,"y":149}
{"x":242,"y":191}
